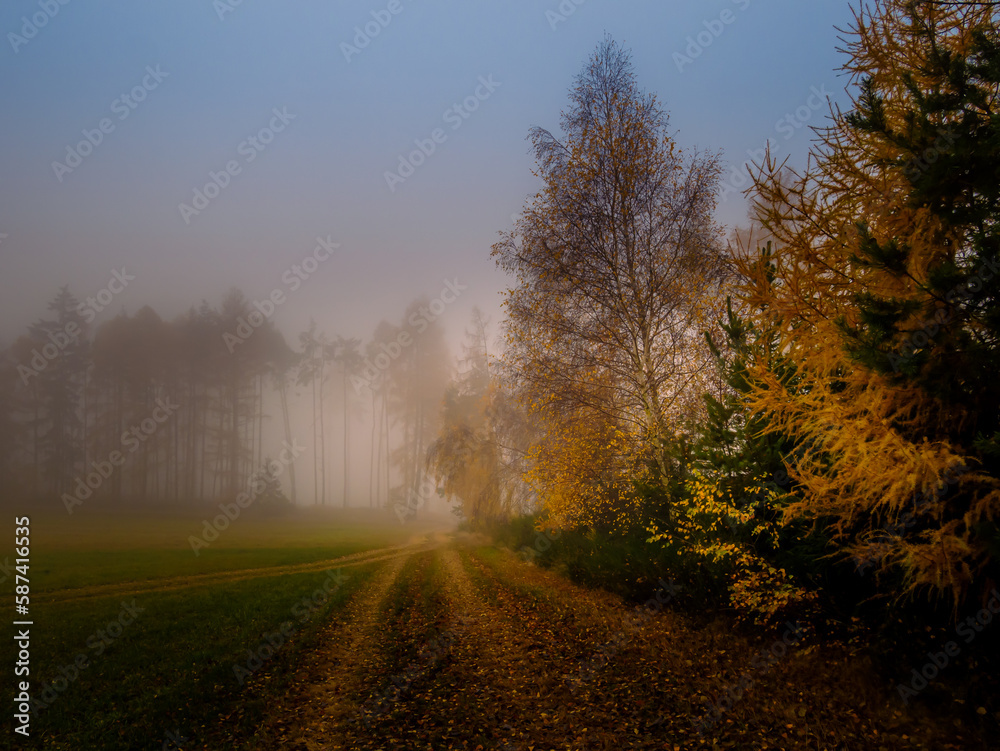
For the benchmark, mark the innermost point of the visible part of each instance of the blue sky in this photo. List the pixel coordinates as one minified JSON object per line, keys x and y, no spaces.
{"x":220,"y":71}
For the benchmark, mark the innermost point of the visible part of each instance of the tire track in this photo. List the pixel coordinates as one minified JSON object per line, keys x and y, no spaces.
{"x":130,"y":589}
{"x":319,"y":706}
{"x":501,"y":657}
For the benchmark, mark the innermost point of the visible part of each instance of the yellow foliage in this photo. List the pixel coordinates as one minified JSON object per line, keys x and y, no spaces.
{"x":711,"y":524}
{"x":581,"y":466}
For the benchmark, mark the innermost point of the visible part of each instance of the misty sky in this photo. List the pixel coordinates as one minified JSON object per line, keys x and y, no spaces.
{"x":212,"y":75}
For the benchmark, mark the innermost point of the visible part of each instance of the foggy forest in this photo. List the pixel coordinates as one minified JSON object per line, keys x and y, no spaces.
{"x":557,"y":375}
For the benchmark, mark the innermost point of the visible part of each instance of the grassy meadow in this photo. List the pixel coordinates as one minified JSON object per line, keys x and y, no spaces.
{"x":167,"y":654}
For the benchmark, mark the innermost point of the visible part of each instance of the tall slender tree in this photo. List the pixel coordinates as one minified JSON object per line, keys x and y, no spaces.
{"x":312,"y":372}
{"x":617,"y":264}
{"x":60,"y":373}
{"x":346,"y":351}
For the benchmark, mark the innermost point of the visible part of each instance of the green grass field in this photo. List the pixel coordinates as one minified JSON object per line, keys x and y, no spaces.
{"x":141,"y":670}
{"x":101,"y":548}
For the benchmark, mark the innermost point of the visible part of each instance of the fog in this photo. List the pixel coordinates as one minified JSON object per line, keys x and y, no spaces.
{"x":241,"y":233}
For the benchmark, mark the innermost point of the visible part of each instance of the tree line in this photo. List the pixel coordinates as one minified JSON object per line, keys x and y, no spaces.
{"x":141,"y":410}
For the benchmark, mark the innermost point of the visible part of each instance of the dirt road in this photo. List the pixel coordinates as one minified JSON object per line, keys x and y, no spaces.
{"x":464,"y":648}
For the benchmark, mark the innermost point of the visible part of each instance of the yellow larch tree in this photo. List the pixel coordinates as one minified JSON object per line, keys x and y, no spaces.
{"x":878,"y":289}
